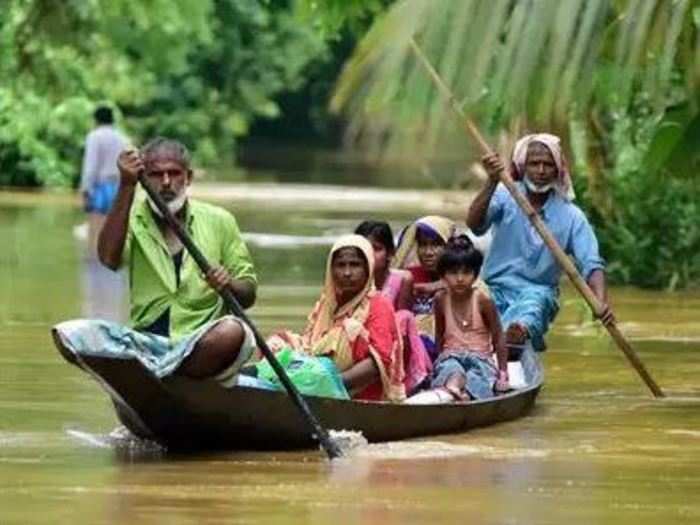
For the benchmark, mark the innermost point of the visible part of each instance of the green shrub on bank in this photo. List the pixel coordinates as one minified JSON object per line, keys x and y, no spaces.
{"x":648,"y":216}
{"x":654,"y":239}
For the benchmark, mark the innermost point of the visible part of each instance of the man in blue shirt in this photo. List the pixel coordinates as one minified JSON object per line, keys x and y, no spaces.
{"x":99,"y":179}
{"x":520,"y":271}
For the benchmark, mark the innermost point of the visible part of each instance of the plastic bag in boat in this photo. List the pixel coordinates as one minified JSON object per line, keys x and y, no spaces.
{"x":313,"y":376}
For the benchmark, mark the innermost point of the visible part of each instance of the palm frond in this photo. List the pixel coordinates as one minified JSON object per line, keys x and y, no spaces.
{"x":541,"y":59}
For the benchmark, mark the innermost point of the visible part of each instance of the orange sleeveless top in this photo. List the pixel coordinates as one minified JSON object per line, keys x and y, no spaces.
{"x":470,"y":333}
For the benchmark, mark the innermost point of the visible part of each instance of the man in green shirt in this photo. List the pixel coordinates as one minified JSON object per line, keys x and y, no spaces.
{"x":171,"y":302}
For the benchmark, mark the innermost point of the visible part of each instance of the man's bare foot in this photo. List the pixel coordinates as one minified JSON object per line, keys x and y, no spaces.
{"x":516,"y":334}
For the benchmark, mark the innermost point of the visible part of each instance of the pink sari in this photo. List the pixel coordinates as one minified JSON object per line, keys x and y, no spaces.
{"x":417,"y":363}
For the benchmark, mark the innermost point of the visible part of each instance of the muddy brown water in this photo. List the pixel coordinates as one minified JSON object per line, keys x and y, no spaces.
{"x":596,"y":449}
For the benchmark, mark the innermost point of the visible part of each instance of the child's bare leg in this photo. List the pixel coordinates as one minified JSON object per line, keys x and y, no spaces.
{"x":455,"y":385}
{"x":516,"y":334}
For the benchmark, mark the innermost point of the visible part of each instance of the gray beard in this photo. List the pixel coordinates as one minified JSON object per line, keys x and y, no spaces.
{"x":174,"y":205}
{"x":534,"y":188}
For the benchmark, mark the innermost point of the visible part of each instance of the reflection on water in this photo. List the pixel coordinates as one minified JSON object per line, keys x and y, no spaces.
{"x":272,"y":240}
{"x":440,"y":449}
{"x":596,"y":449}
{"x":104,"y":292}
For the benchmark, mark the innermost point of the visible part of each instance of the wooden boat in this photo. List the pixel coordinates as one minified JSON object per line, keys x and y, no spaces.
{"x":187,"y":414}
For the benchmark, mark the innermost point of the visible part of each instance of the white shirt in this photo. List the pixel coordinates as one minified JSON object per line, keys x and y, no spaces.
{"x":102,"y":148}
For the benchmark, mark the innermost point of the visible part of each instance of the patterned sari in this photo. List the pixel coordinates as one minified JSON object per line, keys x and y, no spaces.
{"x":363,"y":327}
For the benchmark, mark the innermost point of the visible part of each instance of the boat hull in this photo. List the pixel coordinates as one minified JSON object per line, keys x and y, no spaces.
{"x":186,"y":414}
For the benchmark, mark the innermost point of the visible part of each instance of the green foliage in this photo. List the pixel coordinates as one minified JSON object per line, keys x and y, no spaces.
{"x":654,"y":239}
{"x":332,"y":17}
{"x":200,"y":70}
{"x":39,"y":141}
{"x":505,"y":60}
{"x":651,"y":238}
{"x":256,"y":53}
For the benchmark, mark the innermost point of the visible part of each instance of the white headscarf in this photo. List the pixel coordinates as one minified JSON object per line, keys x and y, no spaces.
{"x":563,"y":183}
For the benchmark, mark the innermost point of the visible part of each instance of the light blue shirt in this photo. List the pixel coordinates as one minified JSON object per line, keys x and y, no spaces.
{"x":518,"y":256}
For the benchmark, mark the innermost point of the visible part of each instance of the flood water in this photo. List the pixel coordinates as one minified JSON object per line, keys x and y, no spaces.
{"x":596,"y":449}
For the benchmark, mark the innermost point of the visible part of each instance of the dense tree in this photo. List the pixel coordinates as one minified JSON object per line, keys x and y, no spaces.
{"x":198,"y":69}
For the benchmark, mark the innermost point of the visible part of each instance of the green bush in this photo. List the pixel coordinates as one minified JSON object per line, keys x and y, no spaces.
{"x":654,"y":238}
{"x":650,"y":235}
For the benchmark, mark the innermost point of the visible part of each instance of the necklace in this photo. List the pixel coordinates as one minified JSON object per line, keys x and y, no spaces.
{"x":461,"y":318}
{"x":463,"y":322}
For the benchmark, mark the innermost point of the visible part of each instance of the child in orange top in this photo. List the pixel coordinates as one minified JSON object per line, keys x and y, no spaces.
{"x":467,"y":329}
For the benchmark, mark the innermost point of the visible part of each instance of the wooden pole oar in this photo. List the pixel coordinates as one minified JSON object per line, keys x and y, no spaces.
{"x":329,"y":446}
{"x":561,"y":257}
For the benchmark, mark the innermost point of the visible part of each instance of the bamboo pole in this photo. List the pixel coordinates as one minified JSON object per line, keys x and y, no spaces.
{"x":561,"y":257}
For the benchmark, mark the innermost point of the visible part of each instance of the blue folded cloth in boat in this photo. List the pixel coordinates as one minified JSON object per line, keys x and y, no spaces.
{"x":159,"y":354}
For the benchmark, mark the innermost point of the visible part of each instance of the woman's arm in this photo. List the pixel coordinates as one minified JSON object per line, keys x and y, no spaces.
{"x":405,"y":299}
{"x":382,"y":347}
{"x":360,"y":375}
{"x":428,"y":289}
{"x":439,"y":313}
